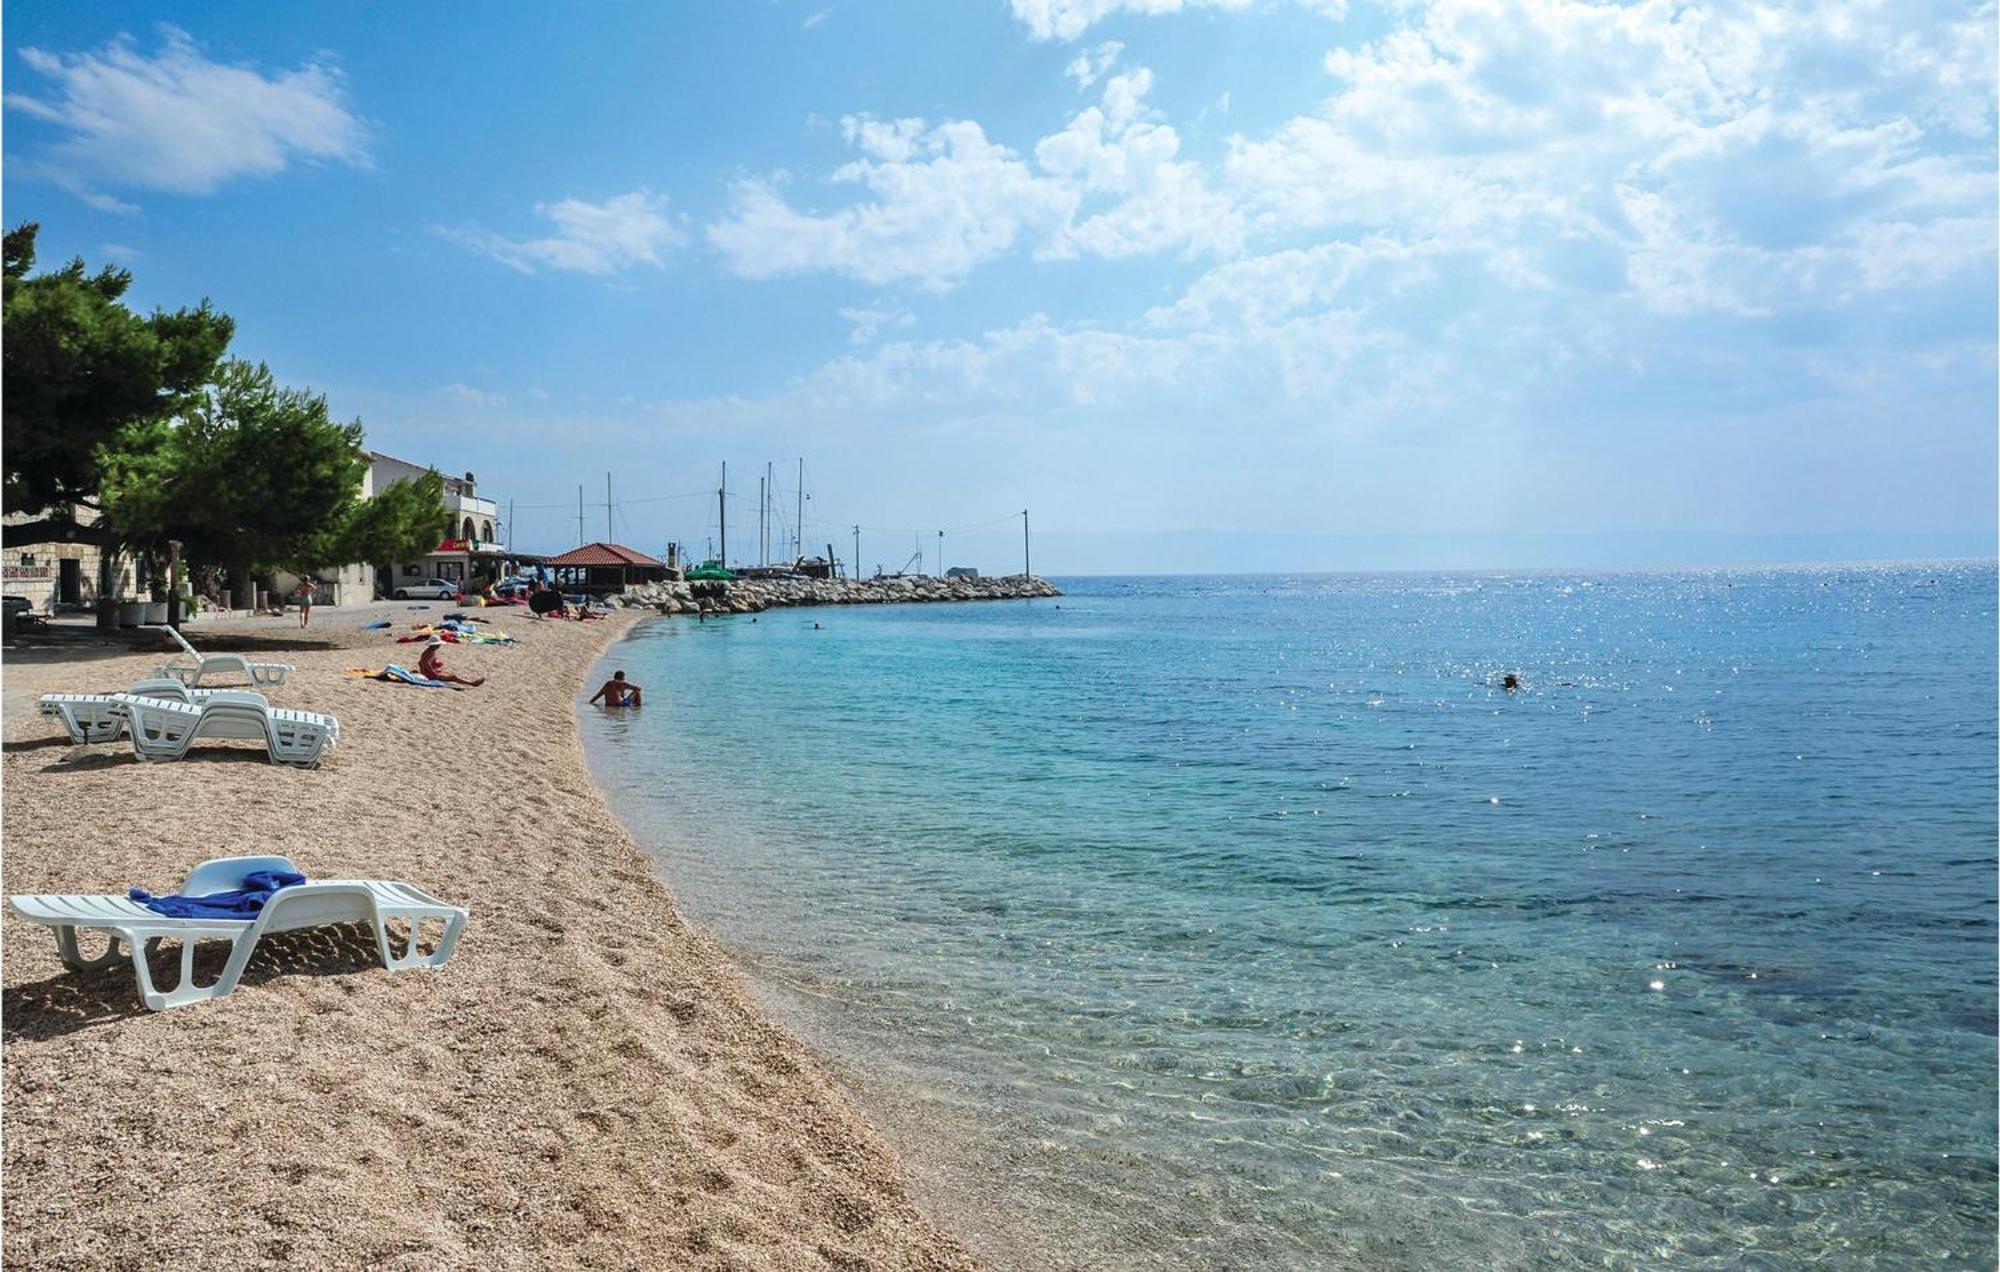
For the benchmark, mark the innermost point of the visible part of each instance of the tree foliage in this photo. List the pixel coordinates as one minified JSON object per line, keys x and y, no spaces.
{"x":82,"y":371}
{"x":402,"y":522}
{"x":255,"y":476}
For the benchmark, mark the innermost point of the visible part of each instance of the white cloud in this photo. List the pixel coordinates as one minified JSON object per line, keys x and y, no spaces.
{"x":121,"y":252}
{"x":472,"y":396}
{"x":1068,"y":19}
{"x":1090,"y":66}
{"x":179,"y":122}
{"x":1567,"y":146}
{"x":1733,"y":156}
{"x":943,"y":200}
{"x":869,"y":323}
{"x":1262,"y":291}
{"x":1121,"y":150}
{"x":590,"y":238}
{"x":814,"y":19}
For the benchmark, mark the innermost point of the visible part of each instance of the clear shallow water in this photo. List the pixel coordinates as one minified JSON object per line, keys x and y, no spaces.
{"x":1250,"y":922}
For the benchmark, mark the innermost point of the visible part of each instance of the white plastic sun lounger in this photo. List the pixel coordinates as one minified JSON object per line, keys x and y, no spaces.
{"x":164,"y":730}
{"x":307,"y":905}
{"x":258,"y":673}
{"x":94,"y":717}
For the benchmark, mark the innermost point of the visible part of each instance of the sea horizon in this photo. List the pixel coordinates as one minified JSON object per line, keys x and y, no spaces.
{"x":1643,"y":567}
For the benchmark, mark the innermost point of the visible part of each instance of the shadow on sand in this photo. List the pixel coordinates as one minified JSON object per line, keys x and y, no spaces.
{"x":107,"y":755}
{"x":36,"y":744}
{"x":72,"y":1001}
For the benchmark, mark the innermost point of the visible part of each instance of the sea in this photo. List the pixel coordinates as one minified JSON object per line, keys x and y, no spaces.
{"x":1256,"y":922}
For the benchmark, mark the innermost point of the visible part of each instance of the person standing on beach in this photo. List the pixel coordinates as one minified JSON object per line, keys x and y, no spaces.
{"x":619,"y":692}
{"x":304,"y":595}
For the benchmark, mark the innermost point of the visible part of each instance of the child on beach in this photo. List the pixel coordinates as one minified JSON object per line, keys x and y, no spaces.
{"x":431,"y":663}
{"x":620,"y":692}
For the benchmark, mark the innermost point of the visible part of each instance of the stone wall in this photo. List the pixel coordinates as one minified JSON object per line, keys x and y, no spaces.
{"x":747,"y":596}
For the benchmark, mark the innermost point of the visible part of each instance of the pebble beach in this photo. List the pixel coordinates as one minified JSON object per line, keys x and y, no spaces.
{"x":585,"y":1084}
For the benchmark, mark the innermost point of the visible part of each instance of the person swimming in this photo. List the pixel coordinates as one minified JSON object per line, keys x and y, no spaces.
{"x":620,"y":692}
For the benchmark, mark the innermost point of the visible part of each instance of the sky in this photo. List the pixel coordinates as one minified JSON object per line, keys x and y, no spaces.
{"x":1202,"y":284}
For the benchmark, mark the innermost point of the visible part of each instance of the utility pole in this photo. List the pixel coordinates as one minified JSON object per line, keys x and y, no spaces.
{"x":799,"y":526}
{"x":579,"y":514}
{"x":940,"y":554}
{"x":722,"y":515}
{"x":857,"y":553}
{"x":763,"y":522}
{"x":1026,"y":572}
{"x":608,"y":536}
{"x":510,"y":521}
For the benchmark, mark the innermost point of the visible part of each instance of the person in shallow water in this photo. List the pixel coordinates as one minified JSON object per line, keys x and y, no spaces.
{"x":620,"y":692}
{"x":431,"y":663}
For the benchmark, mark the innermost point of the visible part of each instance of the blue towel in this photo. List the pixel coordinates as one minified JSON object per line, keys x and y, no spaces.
{"x":369,"y":627}
{"x":396,"y":671}
{"x":243,"y":903}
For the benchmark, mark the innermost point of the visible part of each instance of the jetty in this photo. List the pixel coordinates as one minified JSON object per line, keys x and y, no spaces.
{"x":748,"y":596}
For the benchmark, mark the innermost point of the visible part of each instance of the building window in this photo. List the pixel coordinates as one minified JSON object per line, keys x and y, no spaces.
{"x":412,"y":572}
{"x":468,"y":529}
{"x":486,"y":531}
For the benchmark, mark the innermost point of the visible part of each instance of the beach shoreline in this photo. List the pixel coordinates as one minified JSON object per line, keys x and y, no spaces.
{"x":587,"y":1083}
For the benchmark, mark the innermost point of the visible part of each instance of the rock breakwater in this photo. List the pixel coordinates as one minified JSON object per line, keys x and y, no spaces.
{"x":747,"y":596}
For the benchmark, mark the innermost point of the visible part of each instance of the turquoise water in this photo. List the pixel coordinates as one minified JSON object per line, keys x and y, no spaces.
{"x":1251,"y":922}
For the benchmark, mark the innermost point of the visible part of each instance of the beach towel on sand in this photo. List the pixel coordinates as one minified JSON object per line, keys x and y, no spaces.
{"x":397,"y":674}
{"x":242,"y":903}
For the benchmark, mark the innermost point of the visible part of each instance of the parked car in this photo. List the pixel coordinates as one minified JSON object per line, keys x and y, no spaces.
{"x":428,"y":590}
{"x":519,"y":585}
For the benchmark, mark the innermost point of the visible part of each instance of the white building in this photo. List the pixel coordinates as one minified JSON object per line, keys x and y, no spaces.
{"x":70,"y":576}
{"x":471,"y":547}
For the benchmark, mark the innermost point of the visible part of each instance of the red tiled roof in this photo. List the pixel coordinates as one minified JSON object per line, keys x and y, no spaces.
{"x":605,"y":554}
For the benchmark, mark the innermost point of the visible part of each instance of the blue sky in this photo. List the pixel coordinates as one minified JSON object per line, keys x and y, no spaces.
{"x":1209,"y":284}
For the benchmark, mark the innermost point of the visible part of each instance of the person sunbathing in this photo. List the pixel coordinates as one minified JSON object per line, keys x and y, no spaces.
{"x":620,"y":692}
{"x":431,"y":664}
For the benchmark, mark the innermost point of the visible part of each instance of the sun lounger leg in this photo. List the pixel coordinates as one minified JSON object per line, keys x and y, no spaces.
{"x":73,"y":958}
{"x":288,"y":742}
{"x":411,"y":956}
{"x":186,"y":991}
